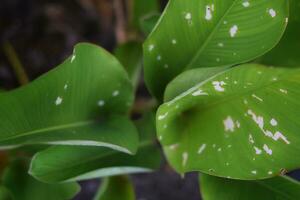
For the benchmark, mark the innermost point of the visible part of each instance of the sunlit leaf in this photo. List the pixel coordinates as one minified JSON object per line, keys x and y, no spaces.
{"x":81,"y":163}
{"x":210,"y":33}
{"x":279,"y":188}
{"x":116,"y":188}
{"x":24,"y":187}
{"x":81,"y":102}
{"x":241,"y":123}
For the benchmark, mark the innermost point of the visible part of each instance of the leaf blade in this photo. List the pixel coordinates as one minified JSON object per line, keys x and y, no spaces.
{"x":280,"y":188}
{"x":71,"y":98}
{"x":241,"y":122}
{"x":212,"y":34}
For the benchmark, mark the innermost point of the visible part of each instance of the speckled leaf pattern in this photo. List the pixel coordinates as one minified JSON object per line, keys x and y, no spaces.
{"x":84,"y":101}
{"x":82,"y":163}
{"x":279,"y":188}
{"x":210,"y":33}
{"x":241,"y":123}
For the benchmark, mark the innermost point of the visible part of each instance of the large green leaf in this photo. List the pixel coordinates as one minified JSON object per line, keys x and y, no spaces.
{"x":24,"y":187}
{"x":241,"y":123}
{"x":81,"y":163}
{"x":81,"y":102}
{"x":115,"y":188}
{"x":286,"y":53}
{"x":279,"y":188}
{"x":210,"y":33}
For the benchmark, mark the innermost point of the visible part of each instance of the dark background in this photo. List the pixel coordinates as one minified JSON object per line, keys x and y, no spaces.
{"x":43,"y":33}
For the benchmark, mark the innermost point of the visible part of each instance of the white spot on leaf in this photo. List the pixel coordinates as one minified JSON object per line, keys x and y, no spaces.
{"x":161,"y":117}
{"x":185,"y":157}
{"x":58,"y":101}
{"x":233,"y":30}
{"x":218,"y":85}
{"x":257,"y":150}
{"x":267,"y":149}
{"x":258,"y":98}
{"x":246,"y":4}
{"x":208,"y":14}
{"x":272,"y":12}
{"x":273,"y":122}
{"x":101,"y":103}
{"x":199,"y":93}
{"x":229,"y":124}
{"x":201,"y":149}
{"x":115,"y":93}
{"x":151,"y":47}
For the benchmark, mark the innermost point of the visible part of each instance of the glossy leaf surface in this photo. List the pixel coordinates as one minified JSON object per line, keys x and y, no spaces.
{"x":81,"y":102}
{"x":241,"y":123}
{"x":210,"y":33}
{"x":81,"y":163}
{"x":279,"y":188}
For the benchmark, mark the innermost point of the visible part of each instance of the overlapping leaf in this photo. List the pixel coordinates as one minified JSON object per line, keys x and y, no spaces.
{"x":279,"y":188}
{"x":210,"y":33}
{"x":286,"y":53}
{"x":115,"y":188}
{"x":24,"y":187}
{"x":241,"y":123}
{"x":84,"y":101}
{"x":81,"y":163}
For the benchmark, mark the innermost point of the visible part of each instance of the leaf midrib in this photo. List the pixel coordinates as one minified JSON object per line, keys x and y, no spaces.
{"x":211,"y":34}
{"x":51,"y":128}
{"x":242,"y":94}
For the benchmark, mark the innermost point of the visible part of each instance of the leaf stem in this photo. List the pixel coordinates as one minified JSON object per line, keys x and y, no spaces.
{"x":15,"y":62}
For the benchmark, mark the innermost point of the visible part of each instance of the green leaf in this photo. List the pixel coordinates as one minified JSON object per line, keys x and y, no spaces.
{"x":5,"y":193}
{"x":141,"y":8}
{"x":115,"y":188}
{"x":81,"y":102}
{"x":24,"y":187}
{"x":130,"y":55}
{"x":189,"y":79}
{"x":81,"y":163}
{"x":242,"y":123}
{"x":286,"y":53}
{"x":148,"y":22}
{"x":279,"y":188}
{"x":210,"y":33}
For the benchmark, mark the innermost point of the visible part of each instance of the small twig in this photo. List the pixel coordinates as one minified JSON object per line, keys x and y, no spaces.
{"x":120,"y":28}
{"x":15,"y":63}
